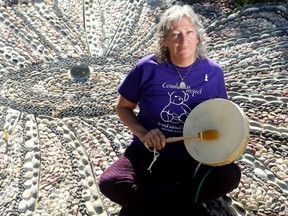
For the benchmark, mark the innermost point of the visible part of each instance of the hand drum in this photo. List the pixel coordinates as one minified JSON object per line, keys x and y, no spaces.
{"x":230,"y":122}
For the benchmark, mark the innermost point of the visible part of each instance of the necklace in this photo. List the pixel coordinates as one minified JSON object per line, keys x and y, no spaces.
{"x":182,"y":84}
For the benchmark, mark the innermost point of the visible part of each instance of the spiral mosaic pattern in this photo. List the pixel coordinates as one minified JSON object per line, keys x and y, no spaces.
{"x":58,"y":133}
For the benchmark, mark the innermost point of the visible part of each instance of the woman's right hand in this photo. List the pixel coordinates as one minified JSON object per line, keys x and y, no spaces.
{"x":154,"y":139}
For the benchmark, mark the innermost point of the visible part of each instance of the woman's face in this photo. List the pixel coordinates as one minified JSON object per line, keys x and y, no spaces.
{"x":181,"y":42}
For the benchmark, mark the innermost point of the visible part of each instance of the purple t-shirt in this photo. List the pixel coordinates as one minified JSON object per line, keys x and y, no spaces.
{"x":162,"y":103}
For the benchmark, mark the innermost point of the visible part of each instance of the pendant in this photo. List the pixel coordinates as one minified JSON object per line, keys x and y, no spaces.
{"x":182,"y":85}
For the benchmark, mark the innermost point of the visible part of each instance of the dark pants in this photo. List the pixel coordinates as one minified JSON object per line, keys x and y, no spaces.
{"x":170,"y":188}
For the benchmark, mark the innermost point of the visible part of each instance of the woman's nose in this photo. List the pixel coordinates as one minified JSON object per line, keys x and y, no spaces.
{"x":182,"y":38}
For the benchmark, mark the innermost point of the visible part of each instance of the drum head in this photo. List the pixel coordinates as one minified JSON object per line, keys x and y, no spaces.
{"x":231,"y":123}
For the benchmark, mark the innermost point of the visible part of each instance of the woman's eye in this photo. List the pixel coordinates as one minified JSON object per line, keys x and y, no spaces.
{"x":175,"y":35}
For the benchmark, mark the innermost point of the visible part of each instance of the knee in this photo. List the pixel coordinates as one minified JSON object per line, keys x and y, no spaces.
{"x":229,"y":174}
{"x":116,"y":189}
{"x":235,"y":172}
{"x":113,"y":186}
{"x":105,"y":184}
{"x":233,"y":175}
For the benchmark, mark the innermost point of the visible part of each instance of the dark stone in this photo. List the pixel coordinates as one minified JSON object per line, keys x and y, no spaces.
{"x":79,"y":71}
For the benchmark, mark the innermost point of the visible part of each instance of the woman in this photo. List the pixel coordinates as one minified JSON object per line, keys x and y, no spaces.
{"x":152,"y":177}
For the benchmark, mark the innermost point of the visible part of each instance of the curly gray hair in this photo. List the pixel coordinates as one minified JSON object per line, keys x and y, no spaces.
{"x":175,"y":13}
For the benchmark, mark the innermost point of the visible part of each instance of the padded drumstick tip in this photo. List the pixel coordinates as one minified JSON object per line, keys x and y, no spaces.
{"x":208,"y":135}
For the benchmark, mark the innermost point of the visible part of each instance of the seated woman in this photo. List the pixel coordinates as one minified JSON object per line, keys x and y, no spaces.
{"x":152,"y":177}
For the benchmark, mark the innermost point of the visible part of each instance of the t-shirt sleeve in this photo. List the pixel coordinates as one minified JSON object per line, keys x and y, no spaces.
{"x":131,"y":85}
{"x":222,"y":87}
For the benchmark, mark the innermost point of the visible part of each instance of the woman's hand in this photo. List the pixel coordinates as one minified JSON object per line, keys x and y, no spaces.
{"x":154,"y":139}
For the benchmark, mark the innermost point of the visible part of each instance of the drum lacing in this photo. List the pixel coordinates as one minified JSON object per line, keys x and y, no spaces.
{"x":155,"y":156}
